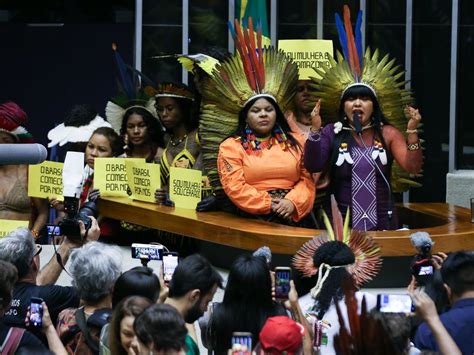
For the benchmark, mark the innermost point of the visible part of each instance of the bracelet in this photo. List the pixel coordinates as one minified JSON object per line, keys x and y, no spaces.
{"x":35,"y":233}
{"x":413,"y":146}
{"x":314,"y":136}
{"x":412,"y":131}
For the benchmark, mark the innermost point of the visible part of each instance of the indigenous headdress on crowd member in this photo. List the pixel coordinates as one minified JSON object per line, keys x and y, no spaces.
{"x":251,"y":73}
{"x":132,"y":95}
{"x":78,"y":126}
{"x":180,"y":91}
{"x":366,"y":252}
{"x":203,"y":61}
{"x":13,"y":121}
{"x":379,"y":74}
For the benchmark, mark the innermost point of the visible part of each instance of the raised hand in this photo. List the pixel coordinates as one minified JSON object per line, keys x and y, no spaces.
{"x":316,"y":117}
{"x":414,"y":118}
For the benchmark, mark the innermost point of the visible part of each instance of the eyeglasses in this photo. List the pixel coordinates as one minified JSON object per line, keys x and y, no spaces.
{"x":39,"y":248}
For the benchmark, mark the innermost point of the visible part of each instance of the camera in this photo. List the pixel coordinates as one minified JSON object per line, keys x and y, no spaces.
{"x":147,"y":251}
{"x":393,"y":303}
{"x":69,"y":226}
{"x":421,"y":265}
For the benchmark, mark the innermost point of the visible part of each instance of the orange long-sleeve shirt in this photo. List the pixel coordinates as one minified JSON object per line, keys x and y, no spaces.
{"x":246,"y":178}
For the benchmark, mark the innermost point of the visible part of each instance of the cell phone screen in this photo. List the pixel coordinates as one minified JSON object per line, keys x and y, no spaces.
{"x":426,"y":270}
{"x":241,"y":338}
{"x":53,"y":230}
{"x":394,"y":303}
{"x":282,"y":283}
{"x":170,"y":262}
{"x":36,"y":313}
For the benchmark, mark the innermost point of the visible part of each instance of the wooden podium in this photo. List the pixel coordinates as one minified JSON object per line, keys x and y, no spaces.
{"x":450,"y":227}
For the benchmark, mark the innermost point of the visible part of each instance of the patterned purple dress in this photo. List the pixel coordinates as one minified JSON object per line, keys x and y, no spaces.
{"x":355,"y":181}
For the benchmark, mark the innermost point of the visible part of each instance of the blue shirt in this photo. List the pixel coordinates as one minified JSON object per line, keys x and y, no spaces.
{"x":458,"y":321}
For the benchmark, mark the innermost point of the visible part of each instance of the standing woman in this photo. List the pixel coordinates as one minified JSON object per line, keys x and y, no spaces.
{"x":15,"y":204}
{"x":174,"y":105}
{"x":365,"y":97}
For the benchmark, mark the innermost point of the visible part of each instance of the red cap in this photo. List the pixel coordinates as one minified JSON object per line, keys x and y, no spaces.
{"x":280,"y":334}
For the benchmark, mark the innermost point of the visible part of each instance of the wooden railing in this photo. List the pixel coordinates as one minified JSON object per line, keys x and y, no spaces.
{"x":449,"y":226}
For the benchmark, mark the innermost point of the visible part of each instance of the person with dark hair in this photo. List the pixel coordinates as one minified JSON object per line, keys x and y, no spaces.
{"x":103,"y":143}
{"x":194,"y":283}
{"x":161,"y":329}
{"x":8,"y":279}
{"x":246,"y":305}
{"x":397,"y":326}
{"x":174,"y":103}
{"x":336,"y":264}
{"x":121,"y":335}
{"x":363,"y":95}
{"x":138,"y":281}
{"x":260,"y":166}
{"x":458,"y":277}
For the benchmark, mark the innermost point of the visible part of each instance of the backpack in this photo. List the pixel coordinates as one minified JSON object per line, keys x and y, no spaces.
{"x":11,"y":341}
{"x":81,"y":336}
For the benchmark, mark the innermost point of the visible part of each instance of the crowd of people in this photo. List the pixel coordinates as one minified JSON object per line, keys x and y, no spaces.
{"x":271,"y":146}
{"x":106,"y":311}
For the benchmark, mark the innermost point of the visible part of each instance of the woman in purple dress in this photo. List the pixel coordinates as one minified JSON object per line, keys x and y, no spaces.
{"x":359,"y":151}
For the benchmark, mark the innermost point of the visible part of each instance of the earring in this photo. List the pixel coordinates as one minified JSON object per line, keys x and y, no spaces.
{"x":250,"y":141}
{"x":125,"y":140}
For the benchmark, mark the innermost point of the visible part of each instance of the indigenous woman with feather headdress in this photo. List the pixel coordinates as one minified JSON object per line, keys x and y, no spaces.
{"x":366,"y":99}
{"x":259,"y":161}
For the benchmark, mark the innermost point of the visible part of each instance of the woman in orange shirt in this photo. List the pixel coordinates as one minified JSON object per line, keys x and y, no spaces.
{"x":260,"y":165}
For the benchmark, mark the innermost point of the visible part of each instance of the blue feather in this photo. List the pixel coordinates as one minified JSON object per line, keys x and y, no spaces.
{"x":244,"y":23}
{"x":342,"y":36}
{"x":231,"y":29}
{"x":358,"y":39}
{"x":124,"y":76}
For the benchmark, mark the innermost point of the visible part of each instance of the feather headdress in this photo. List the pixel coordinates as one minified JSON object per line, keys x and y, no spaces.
{"x":366,"y":252}
{"x":253,"y":71}
{"x":379,"y":74}
{"x":131,"y":93}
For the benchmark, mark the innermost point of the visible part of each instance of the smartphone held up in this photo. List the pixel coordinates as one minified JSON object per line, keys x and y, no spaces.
{"x":36,"y":312}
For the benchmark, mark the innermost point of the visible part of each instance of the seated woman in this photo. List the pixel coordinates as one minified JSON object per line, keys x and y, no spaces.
{"x":15,"y":204}
{"x":260,"y":166}
{"x":246,"y":306}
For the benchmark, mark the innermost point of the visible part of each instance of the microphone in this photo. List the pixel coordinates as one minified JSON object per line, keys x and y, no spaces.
{"x":357,"y":124}
{"x":264,"y":252}
{"x":15,"y":154}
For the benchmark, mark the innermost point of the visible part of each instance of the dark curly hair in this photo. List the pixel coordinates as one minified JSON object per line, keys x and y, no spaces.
{"x":333,"y":253}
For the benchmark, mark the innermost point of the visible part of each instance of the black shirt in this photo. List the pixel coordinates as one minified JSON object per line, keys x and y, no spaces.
{"x":57,"y":298}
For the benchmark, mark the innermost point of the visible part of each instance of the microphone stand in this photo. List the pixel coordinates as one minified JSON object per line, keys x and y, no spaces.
{"x":358,"y":129}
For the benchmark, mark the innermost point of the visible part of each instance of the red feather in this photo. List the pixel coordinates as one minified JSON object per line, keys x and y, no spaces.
{"x":244,"y":56}
{"x":253,"y":51}
{"x":353,"y":57}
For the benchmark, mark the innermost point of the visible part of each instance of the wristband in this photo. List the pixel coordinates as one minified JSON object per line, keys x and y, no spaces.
{"x":413,"y":146}
{"x":412,"y":131}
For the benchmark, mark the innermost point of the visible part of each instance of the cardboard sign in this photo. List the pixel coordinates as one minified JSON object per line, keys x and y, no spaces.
{"x":45,"y":180}
{"x":110,"y":176}
{"x":143,"y":179}
{"x":9,"y":225}
{"x":185,"y":187}
{"x":307,"y":54}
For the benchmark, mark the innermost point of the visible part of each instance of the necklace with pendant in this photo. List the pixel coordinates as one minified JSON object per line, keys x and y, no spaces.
{"x":179,"y":141}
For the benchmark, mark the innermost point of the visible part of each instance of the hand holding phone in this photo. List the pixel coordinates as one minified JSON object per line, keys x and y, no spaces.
{"x":282,"y":282}
{"x":395,"y":303}
{"x":36,"y":313}
{"x":170,"y":262}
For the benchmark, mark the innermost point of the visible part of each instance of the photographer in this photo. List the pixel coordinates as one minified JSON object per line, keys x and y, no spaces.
{"x":20,"y":249}
{"x":458,"y":277}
